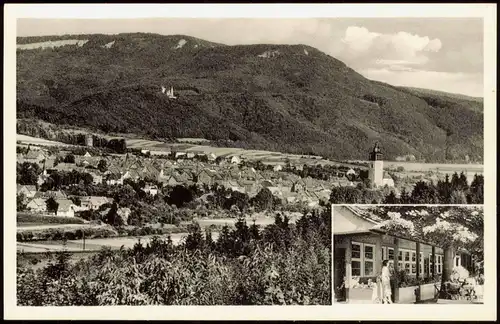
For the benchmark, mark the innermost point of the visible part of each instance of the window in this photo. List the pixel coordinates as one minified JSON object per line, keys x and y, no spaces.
{"x":400,"y":256}
{"x":439,"y":264}
{"x":356,"y":251}
{"x":387,"y":253}
{"x":369,"y":269}
{"x":390,"y":253}
{"x":413,"y":262}
{"x":409,"y":262}
{"x":356,"y":268}
{"x":368,"y":252}
{"x":363,"y":259}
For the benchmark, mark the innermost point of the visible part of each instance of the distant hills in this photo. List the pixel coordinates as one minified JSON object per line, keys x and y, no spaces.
{"x":289,"y":98}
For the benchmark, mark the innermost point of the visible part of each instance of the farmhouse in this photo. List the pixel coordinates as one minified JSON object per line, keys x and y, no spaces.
{"x":250,"y":187}
{"x":388,"y":181}
{"x":67,"y":167}
{"x":174,"y":180}
{"x":93,"y":202}
{"x":350,"y":172}
{"x":267,"y":184}
{"x":360,"y":248}
{"x":27,"y":190}
{"x":207,"y":177}
{"x":66,"y":208}
{"x":50,"y":194}
{"x":234,"y":159}
{"x":298,"y":186}
{"x":34,"y":156}
{"x":152,"y":190}
{"x":114,"y":178}
{"x":96,"y":177}
{"x":37,"y":205}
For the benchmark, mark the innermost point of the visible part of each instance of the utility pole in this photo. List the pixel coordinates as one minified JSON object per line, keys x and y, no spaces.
{"x":83,"y":240}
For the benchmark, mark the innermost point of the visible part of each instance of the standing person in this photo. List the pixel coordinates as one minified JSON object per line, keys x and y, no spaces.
{"x":386,"y":283}
{"x":393,"y":279}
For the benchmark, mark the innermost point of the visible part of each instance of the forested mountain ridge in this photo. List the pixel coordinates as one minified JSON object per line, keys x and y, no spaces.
{"x":291,"y":98}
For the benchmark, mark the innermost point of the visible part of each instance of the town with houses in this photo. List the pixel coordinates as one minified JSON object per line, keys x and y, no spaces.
{"x":172,"y":169}
{"x":184,"y":169}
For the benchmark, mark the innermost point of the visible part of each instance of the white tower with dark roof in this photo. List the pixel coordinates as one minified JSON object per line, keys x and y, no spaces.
{"x":376,"y":171}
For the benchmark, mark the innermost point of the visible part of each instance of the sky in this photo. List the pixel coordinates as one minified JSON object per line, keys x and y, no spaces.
{"x":444,"y":54}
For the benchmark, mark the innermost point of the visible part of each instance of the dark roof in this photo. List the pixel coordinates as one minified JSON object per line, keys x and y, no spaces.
{"x":365,"y":214}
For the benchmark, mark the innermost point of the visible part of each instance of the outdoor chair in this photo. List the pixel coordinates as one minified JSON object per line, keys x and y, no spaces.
{"x":453,"y":291}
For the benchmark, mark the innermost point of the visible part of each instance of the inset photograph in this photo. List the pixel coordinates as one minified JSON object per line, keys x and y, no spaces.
{"x":408,"y":254}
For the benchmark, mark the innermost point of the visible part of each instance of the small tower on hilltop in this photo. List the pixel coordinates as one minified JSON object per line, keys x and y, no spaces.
{"x":170,"y":93}
{"x":89,"y":140}
{"x":376,"y":171}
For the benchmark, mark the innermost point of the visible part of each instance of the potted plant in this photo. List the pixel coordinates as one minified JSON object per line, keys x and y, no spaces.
{"x":360,"y":289}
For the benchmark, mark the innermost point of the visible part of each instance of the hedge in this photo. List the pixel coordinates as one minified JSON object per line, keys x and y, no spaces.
{"x":55,"y":234}
{"x":47,"y":219}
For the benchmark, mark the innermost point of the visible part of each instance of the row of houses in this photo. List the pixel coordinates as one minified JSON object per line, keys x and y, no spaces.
{"x":37,"y":202}
{"x":287,"y":186}
{"x":120,"y":167}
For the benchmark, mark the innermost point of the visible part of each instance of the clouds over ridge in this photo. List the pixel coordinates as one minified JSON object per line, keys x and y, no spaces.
{"x":400,"y":48}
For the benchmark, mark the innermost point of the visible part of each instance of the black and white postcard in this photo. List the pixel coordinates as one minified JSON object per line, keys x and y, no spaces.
{"x":169,"y":161}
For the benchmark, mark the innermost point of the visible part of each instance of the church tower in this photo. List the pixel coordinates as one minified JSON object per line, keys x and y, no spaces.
{"x":376,"y":172}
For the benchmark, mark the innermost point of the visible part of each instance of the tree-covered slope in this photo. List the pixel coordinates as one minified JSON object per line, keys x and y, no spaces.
{"x":278,"y":97}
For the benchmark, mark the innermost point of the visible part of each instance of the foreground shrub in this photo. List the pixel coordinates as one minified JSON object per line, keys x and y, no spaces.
{"x":257,"y":270}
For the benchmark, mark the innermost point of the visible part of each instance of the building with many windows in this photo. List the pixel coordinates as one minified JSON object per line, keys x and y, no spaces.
{"x":360,"y":248}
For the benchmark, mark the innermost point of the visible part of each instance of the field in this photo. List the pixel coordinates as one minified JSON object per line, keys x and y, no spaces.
{"x":191,"y":140}
{"x":41,"y":226}
{"x":158,"y":148}
{"x":268,"y":157}
{"x":25,"y":139}
{"x":424,"y":167}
